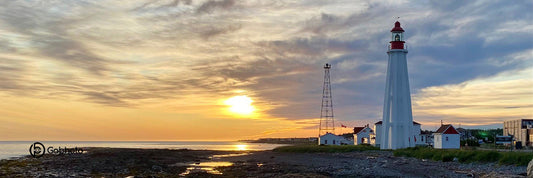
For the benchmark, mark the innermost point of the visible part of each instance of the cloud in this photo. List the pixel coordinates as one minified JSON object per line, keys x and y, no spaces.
{"x":210,"y":32}
{"x":212,"y":5}
{"x":163,"y":3}
{"x":169,"y":51}
{"x":480,"y":101}
{"x":49,"y":37}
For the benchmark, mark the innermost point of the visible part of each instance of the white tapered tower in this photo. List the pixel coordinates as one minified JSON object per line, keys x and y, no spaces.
{"x":397,"y":114}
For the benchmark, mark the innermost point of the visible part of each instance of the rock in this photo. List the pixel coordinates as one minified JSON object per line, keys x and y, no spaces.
{"x":157,"y":168}
{"x":530,"y":169}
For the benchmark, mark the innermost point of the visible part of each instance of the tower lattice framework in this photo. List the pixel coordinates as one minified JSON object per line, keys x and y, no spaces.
{"x":327,"y":121}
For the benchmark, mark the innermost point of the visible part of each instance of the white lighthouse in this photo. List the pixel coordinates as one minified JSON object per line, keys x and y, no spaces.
{"x":397,"y":126}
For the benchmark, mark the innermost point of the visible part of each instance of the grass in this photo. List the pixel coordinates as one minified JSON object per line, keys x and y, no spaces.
{"x":467,"y":156}
{"x":324,"y":148}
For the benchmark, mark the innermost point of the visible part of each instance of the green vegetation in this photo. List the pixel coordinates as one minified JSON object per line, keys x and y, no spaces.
{"x":492,"y":146}
{"x":471,"y":142}
{"x":467,"y":156}
{"x":486,"y":134}
{"x":324,"y":148}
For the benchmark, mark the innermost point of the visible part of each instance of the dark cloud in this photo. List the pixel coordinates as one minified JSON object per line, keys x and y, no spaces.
{"x":159,"y":4}
{"x":312,"y":47}
{"x":212,"y":5}
{"x":48,"y":34}
{"x":323,"y":24}
{"x":213,"y":31}
{"x":104,"y":98}
{"x":72,"y":53}
{"x":6,"y":46}
{"x":12,"y":75}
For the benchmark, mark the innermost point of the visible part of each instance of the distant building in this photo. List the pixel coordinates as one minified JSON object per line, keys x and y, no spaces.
{"x":362,"y":135}
{"x":503,"y":140}
{"x":446,"y":137}
{"x":520,"y":129}
{"x":465,"y":134}
{"x":426,"y":137}
{"x":415,"y":134}
{"x":348,"y":139}
{"x":332,"y":139}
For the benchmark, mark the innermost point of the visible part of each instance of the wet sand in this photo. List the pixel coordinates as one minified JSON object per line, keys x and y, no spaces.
{"x":117,"y":162}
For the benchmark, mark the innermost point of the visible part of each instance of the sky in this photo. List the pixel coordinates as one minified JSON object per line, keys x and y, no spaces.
{"x":247,"y":69}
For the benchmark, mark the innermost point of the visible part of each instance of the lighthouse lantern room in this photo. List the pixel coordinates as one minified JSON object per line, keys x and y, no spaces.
{"x":397,"y":36}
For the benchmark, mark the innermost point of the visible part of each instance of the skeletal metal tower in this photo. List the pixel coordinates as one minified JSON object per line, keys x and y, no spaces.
{"x":327,"y":123}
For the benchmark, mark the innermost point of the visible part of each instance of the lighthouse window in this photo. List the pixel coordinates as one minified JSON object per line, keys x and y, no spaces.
{"x":446,"y":138}
{"x":396,"y":36}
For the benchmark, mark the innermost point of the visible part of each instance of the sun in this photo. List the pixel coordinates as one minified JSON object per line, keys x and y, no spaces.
{"x":240,"y":104}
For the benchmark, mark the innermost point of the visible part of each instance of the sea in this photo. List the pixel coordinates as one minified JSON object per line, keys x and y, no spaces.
{"x":13,"y":149}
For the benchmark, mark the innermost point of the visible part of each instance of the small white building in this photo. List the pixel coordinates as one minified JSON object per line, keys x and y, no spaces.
{"x":447,"y":137}
{"x":362,"y":135}
{"x":332,"y":139}
{"x":426,"y":138}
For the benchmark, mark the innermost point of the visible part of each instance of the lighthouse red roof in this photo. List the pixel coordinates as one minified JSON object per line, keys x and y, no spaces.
{"x":397,"y":27}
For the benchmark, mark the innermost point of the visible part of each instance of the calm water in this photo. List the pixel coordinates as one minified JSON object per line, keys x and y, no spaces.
{"x":9,"y":149}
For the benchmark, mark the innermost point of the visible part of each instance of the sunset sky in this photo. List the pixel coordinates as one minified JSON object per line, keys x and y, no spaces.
{"x":245,"y":69}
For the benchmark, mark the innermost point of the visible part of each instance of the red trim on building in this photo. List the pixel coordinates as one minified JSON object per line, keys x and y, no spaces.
{"x":447,"y":129}
{"x":356,"y":130}
{"x":451,"y":130}
{"x":396,"y":44}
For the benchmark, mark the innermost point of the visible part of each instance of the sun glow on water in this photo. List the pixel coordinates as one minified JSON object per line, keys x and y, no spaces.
{"x":241,"y":147}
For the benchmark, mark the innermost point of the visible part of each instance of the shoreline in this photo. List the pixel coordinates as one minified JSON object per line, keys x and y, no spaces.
{"x":123,"y":162}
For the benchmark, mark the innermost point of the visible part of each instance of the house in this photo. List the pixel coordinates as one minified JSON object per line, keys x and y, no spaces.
{"x":446,"y":137}
{"x":362,"y":135}
{"x":332,"y":139}
{"x":348,"y":139}
{"x":464,"y":133}
{"x":415,"y":134}
{"x":426,"y":137}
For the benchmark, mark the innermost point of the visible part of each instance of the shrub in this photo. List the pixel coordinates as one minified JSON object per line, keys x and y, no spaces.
{"x":466,"y":156}
{"x":471,"y":142}
{"x":503,"y":158}
{"x":487,"y":156}
{"x":447,"y":157}
{"x":515,"y":158}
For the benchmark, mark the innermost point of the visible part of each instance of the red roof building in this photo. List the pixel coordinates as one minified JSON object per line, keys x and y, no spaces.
{"x":447,"y":137}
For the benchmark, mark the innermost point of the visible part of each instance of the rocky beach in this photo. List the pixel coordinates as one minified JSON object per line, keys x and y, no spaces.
{"x":121,"y":162}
